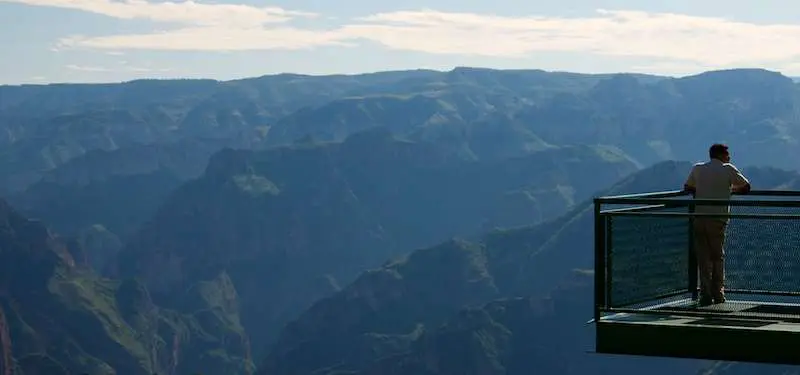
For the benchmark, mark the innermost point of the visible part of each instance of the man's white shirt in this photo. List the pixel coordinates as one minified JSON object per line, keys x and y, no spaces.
{"x":713,"y":180}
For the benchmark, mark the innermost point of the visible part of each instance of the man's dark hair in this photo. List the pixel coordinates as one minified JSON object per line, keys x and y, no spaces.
{"x":716,"y":150}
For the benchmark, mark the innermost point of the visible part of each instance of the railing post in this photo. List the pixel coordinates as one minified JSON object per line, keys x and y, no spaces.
{"x":608,"y":251}
{"x":691,"y":272}
{"x":599,"y":261}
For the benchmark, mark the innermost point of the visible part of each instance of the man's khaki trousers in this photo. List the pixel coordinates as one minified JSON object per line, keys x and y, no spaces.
{"x":709,"y":237}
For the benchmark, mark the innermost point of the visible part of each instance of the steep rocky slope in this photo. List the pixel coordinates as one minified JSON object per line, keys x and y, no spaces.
{"x":58,"y":317}
{"x":291,"y":225}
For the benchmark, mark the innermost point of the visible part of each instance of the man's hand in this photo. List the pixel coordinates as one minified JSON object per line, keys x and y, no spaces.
{"x":742,"y":189}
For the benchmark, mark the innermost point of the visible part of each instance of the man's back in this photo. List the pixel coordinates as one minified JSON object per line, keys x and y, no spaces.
{"x":713,"y":180}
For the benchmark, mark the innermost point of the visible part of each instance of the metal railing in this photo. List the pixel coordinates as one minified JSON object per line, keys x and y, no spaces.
{"x":644,"y":249}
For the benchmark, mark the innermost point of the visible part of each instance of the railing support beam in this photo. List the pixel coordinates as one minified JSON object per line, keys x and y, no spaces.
{"x":599,"y":262}
{"x":692,"y":272}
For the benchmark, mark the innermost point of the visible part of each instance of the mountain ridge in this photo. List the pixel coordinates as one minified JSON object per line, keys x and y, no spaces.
{"x":352,"y":219}
{"x":389,"y":313}
{"x":313,"y":216}
{"x":463,"y":109}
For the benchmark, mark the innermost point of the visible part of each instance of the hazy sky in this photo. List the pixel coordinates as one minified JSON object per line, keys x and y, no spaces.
{"x":111,"y":41}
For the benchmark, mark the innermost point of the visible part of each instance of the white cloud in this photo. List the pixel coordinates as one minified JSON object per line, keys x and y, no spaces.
{"x":703,"y":40}
{"x":683,"y":42}
{"x":86,"y":68}
{"x":149,"y":70}
{"x":103,"y":69}
{"x":210,"y":39}
{"x":200,"y":26}
{"x":184,"y":12}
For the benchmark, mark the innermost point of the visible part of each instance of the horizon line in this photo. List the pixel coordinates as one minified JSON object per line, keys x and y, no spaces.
{"x":390,"y":71}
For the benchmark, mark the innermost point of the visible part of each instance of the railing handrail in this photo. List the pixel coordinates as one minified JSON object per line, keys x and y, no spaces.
{"x":708,"y":202}
{"x":774,"y":193}
{"x":678,"y":193}
{"x":655,"y":194}
{"x":696,"y":214}
{"x":657,"y":198}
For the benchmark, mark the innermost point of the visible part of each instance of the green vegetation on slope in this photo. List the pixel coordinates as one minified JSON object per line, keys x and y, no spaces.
{"x":62,"y":317}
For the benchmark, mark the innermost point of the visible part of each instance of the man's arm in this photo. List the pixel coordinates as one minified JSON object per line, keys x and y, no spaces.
{"x":689,"y":185}
{"x":739,"y":183}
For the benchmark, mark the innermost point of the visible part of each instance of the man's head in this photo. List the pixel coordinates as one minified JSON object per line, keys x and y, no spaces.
{"x":719,"y":151}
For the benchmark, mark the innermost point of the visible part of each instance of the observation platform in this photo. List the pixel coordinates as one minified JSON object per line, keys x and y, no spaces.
{"x":646,"y":278}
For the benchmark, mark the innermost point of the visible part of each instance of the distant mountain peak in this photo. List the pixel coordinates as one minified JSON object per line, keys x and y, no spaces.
{"x":741,"y":76}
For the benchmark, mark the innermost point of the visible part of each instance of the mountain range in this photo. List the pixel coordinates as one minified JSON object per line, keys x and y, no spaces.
{"x":471,"y":112}
{"x":387,"y":223}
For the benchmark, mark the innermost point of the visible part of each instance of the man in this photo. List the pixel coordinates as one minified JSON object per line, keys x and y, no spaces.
{"x":714,"y":179}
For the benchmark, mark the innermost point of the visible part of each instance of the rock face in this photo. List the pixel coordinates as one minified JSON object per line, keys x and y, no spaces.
{"x":58,"y":317}
{"x":292,"y":224}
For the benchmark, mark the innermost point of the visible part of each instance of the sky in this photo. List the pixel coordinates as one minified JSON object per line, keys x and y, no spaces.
{"x":47,"y":41}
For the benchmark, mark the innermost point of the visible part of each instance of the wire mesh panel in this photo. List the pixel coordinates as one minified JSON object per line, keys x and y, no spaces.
{"x":644,"y":253}
{"x":763,"y":253}
{"x":647,"y":257}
